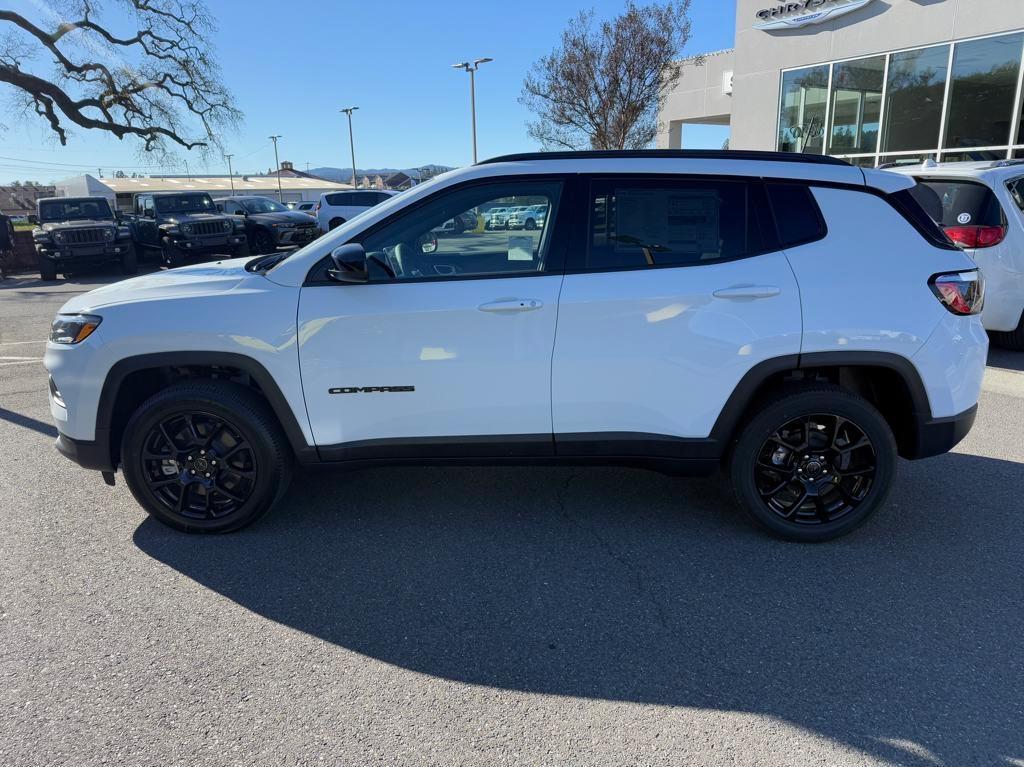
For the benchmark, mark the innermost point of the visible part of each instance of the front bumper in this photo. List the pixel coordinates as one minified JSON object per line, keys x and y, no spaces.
{"x":296,"y":236}
{"x":83,"y":253}
{"x":94,"y":454}
{"x":209,"y":244}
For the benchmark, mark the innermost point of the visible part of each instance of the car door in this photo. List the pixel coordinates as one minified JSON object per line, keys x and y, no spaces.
{"x":673,"y":294}
{"x":446,"y":350}
{"x":146,"y":229}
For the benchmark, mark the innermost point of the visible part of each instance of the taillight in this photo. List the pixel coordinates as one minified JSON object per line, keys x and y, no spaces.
{"x":962,"y":293}
{"x":976,"y":236}
{"x":317,"y":208}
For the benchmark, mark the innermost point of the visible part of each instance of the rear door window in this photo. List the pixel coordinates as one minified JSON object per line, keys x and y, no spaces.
{"x":958,"y":202}
{"x":638,"y":224}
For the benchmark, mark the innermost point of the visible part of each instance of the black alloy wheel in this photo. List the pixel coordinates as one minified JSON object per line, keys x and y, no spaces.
{"x":813,"y":462}
{"x":262,"y":242}
{"x":815,"y":469}
{"x":206,"y":456}
{"x":199,"y":466}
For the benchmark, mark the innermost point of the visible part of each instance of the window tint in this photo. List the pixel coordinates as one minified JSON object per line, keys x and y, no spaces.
{"x":448,"y":236}
{"x":958,"y":203}
{"x":671,"y":223}
{"x":797,"y":217}
{"x":1016,"y":189}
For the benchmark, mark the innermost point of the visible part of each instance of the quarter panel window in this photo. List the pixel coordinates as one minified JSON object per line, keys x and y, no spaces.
{"x":797,"y":217}
{"x":671,"y":223}
{"x":450,"y":236}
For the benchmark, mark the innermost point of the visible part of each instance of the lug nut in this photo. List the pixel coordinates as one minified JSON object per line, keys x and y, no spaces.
{"x":202,"y":452}
{"x":207,"y":475}
{"x":193,"y":471}
{"x":190,"y":458}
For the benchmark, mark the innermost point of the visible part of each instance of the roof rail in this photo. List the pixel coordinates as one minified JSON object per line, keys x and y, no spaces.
{"x":670,"y":154}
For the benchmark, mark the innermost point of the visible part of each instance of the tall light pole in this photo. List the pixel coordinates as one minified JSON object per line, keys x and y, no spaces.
{"x":471,"y":68}
{"x":231,"y":173}
{"x":351,"y":142}
{"x":280,"y":194}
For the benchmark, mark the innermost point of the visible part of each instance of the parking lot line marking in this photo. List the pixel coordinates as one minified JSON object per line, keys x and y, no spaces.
{"x":18,"y":343}
{"x":21,"y":362}
{"x":1007,"y":382}
{"x":2,"y":357}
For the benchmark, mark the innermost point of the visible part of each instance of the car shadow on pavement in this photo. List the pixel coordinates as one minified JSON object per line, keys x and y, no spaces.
{"x":1006,"y":359}
{"x":902,"y":640}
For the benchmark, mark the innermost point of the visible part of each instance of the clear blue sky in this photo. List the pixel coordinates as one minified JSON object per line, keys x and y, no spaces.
{"x":291,"y":66}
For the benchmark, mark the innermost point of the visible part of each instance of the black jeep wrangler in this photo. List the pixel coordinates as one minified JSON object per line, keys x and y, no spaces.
{"x":268,"y":224}
{"x":72,"y":232}
{"x":185,"y":226}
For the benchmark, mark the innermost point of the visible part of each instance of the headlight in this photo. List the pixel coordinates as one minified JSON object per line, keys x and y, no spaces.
{"x":73,"y":328}
{"x":110,"y":234}
{"x":58,"y":236}
{"x":171,"y":228}
{"x":283,"y":226}
{"x":187,"y":228}
{"x":227,"y":225}
{"x":124,"y":231}
{"x":40,"y":235}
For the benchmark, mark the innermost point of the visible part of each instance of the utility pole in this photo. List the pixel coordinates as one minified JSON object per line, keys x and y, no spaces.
{"x":188,"y":173}
{"x":351,"y":142}
{"x":280,"y":194}
{"x":231,"y":173}
{"x":471,"y":68}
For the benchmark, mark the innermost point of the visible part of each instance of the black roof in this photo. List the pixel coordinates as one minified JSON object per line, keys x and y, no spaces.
{"x":671,"y":154}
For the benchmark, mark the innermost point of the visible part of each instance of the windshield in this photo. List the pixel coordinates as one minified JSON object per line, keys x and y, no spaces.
{"x":70,"y":210}
{"x":184,"y":203}
{"x":262,"y":205}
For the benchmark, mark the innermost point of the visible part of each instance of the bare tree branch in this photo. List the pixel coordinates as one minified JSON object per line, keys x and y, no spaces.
{"x":160,"y":85}
{"x":603,"y":86}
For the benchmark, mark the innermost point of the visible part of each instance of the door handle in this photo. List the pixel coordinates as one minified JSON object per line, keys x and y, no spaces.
{"x":511,"y":305}
{"x":747,"y":291}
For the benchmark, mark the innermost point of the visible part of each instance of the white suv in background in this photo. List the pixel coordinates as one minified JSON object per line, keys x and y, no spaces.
{"x":981,"y":207}
{"x":335,"y":208}
{"x":676,"y":310}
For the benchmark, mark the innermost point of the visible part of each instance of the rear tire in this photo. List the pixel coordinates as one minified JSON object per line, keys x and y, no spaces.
{"x":335,"y":223}
{"x":129,"y":261}
{"x":206,"y":457}
{"x":1010,"y":339}
{"x":47,"y":268}
{"x":814,"y":463}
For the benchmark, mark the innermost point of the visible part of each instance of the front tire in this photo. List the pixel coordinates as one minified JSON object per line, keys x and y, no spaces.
{"x":1010,"y":339}
{"x":47,"y":268}
{"x":172,"y":256}
{"x":813,"y":463}
{"x":262,"y":243}
{"x":129,"y":261}
{"x":205,"y":457}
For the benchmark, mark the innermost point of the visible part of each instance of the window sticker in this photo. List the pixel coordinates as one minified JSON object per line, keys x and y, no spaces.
{"x":964,"y":218}
{"x":520,"y":248}
{"x":683,"y":221}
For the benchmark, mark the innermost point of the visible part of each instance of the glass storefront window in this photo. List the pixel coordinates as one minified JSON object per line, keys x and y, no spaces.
{"x":803,"y":108}
{"x":981,"y":99}
{"x":913,"y":102}
{"x":856,"y":105}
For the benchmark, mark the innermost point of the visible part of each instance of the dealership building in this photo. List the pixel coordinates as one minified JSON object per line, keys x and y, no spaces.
{"x":873,"y":81}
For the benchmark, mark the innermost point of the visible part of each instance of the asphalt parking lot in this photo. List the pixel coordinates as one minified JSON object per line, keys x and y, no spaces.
{"x":500,"y":616}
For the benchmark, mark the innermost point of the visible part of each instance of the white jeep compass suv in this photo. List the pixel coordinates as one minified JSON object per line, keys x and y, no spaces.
{"x":796,"y":319}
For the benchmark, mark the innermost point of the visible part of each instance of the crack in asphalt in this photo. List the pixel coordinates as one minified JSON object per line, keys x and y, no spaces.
{"x":632,"y":568}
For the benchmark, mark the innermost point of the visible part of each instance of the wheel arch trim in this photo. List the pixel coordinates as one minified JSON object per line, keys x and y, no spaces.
{"x":117,"y":374}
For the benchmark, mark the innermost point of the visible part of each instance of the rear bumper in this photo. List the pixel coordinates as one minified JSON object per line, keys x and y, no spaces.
{"x":936,"y":436}
{"x":94,"y":454}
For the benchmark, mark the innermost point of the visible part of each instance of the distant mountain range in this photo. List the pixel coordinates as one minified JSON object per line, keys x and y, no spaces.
{"x":344,"y":175}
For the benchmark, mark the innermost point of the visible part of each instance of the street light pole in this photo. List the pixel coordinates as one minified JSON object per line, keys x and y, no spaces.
{"x":280,"y":194}
{"x":351,"y":142}
{"x":231,"y":173}
{"x":471,"y":68}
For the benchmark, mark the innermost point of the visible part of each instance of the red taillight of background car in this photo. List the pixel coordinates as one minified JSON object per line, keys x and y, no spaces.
{"x":976,"y":236}
{"x":962,"y":293}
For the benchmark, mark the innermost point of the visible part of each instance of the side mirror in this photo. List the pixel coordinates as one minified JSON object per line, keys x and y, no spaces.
{"x":33,"y":218}
{"x":349,"y":264}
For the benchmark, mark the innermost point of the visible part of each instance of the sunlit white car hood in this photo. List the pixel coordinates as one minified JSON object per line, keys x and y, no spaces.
{"x":202,"y":279}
